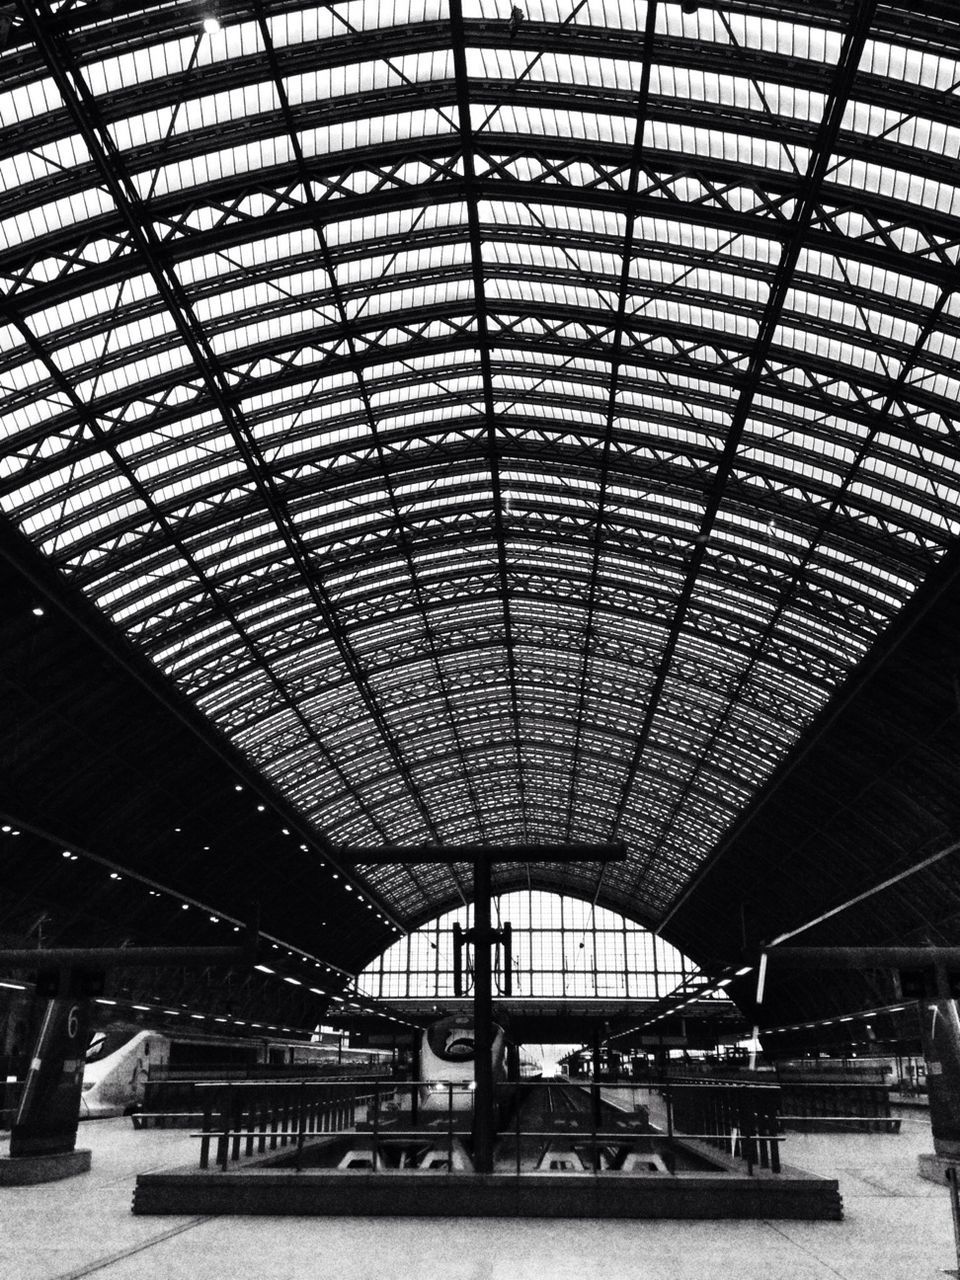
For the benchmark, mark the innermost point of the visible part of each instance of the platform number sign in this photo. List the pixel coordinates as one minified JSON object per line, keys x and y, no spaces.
{"x":49,"y":1109}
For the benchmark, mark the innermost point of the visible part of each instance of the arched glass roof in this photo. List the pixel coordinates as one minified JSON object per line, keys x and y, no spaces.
{"x":503,"y":428}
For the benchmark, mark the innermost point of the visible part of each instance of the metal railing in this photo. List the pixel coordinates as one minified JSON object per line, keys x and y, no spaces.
{"x":415,"y":1125}
{"x":246,"y":1118}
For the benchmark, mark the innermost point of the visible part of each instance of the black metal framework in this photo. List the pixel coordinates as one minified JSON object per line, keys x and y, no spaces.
{"x":502,"y":436}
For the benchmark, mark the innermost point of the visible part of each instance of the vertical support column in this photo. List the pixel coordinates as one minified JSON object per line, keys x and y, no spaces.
{"x":482,"y":1018}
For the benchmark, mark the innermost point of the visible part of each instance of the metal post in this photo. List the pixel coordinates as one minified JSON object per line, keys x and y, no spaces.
{"x":415,"y":1082}
{"x":951,"y":1176}
{"x":482,"y":1018}
{"x":301,"y":1121}
{"x":594,"y":1124}
{"x":449,"y":1128}
{"x":376,"y":1122}
{"x":517,"y":1124}
{"x":224,"y":1140}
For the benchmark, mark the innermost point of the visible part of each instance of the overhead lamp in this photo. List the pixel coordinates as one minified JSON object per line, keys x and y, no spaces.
{"x":38,"y":611}
{"x":211,"y":25}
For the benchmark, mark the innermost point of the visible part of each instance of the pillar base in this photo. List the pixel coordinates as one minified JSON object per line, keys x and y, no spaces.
{"x":934,"y":1166}
{"x":24,"y":1171}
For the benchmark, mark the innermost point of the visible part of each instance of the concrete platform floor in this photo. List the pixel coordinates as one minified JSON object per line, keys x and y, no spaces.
{"x":896,"y":1227}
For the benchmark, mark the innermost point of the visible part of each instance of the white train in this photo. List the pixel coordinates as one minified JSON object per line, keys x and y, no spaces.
{"x":447,"y":1063}
{"x":121,"y":1057}
{"x":447,"y":1073}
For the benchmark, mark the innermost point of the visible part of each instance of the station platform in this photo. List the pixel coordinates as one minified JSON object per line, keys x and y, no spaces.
{"x":895,"y":1225}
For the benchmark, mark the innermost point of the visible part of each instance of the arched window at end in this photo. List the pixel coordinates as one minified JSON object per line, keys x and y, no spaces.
{"x":563,"y":948}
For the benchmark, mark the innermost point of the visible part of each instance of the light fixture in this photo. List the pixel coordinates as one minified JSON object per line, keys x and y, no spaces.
{"x":211,"y":25}
{"x":38,"y":611}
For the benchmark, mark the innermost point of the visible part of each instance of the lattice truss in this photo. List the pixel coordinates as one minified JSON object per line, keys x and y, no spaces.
{"x":502,"y":428}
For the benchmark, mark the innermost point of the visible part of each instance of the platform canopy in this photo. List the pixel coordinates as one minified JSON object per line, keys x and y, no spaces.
{"x":505,"y":425}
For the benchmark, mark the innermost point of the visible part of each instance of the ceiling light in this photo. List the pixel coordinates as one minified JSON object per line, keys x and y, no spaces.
{"x":211,"y":26}
{"x":38,"y":610}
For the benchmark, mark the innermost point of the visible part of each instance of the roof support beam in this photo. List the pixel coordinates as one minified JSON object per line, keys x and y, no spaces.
{"x":458,"y":41}
{"x":83,"y":107}
{"x":846,"y":70}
